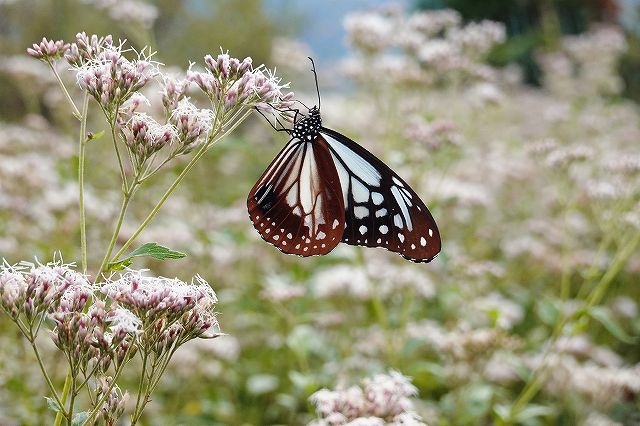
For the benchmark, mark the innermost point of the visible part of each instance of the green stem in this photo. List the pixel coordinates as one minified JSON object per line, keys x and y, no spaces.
{"x":215,"y":139}
{"x":136,"y":415}
{"x":72,"y":400}
{"x":74,"y":108}
{"x":63,"y":399}
{"x":52,"y":389}
{"x":123,"y":209}
{"x":81,"y":160}
{"x":123,"y":176}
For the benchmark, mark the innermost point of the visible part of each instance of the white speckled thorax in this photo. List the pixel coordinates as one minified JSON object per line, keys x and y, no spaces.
{"x":308,"y":127}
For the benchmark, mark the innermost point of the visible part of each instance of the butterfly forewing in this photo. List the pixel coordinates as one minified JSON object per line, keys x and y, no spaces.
{"x":297,"y":204}
{"x":381,"y":210}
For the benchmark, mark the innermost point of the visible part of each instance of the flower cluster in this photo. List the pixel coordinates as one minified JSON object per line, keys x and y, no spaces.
{"x":176,"y":310}
{"x":434,"y":135}
{"x":231,"y":84}
{"x":382,"y":399}
{"x":111,"y":78}
{"x":144,"y":136}
{"x":48,"y":50}
{"x":573,"y":72}
{"x":35,"y":290}
{"x":86,"y":48}
{"x":192,"y":125}
{"x":435,"y":41}
{"x":114,"y":404}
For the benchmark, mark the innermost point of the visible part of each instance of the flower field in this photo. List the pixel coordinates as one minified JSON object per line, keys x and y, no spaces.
{"x":528,"y":316}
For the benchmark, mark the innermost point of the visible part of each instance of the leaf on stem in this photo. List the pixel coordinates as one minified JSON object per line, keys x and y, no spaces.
{"x":79,"y":418}
{"x":603,"y":316}
{"x":153,"y":250}
{"x":52,"y":404}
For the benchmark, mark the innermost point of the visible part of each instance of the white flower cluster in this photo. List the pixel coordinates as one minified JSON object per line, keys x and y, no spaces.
{"x":572,"y":71}
{"x":436,"y":41}
{"x":384,"y":399}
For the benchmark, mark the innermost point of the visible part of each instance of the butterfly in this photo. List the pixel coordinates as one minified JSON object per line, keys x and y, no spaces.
{"x":323,"y":188}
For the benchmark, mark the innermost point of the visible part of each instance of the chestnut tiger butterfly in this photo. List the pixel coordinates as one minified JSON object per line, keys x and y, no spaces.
{"x":323,"y":188}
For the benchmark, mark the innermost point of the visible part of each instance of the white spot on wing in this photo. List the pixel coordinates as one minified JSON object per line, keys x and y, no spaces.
{"x":397,"y":221}
{"x":423,"y":242}
{"x":335,"y":224}
{"x":384,"y":229}
{"x":401,"y":238}
{"x":361,"y":212}
{"x":381,"y":212}
{"x":362,"y":229}
{"x":430,"y":232}
{"x":377,"y":198}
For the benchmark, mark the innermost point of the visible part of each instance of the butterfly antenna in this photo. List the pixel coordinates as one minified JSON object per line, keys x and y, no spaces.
{"x":315,"y":74}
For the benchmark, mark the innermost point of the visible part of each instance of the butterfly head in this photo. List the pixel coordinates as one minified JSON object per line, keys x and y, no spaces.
{"x":309,"y":126}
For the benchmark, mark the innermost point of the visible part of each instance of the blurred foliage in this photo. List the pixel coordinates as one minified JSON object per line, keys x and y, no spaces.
{"x":538,"y":24}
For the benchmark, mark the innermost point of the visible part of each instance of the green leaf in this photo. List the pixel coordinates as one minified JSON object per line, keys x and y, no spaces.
{"x":154,"y":250}
{"x":532,"y":411}
{"x":119,"y":266}
{"x":79,"y":418}
{"x":52,"y":404}
{"x":603,"y":316}
{"x":94,"y":136}
{"x":548,"y":312}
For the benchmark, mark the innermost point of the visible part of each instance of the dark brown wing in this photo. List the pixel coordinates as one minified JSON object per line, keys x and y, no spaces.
{"x":381,"y":209}
{"x":297,"y":204}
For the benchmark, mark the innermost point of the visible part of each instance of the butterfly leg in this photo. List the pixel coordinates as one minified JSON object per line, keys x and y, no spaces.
{"x":282,"y":127}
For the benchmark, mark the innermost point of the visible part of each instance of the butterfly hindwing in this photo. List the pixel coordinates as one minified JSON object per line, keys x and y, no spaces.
{"x":297,"y":204}
{"x":381,"y":209}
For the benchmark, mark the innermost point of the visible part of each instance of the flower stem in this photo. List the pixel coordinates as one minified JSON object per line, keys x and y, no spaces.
{"x":123,"y":209}
{"x":52,"y":389}
{"x":123,"y":175}
{"x":143,"y":373}
{"x":74,"y":108}
{"x":81,"y":160}
{"x":63,"y":399}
